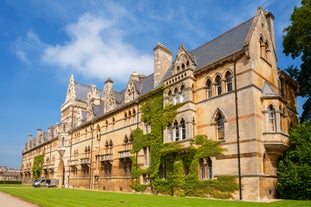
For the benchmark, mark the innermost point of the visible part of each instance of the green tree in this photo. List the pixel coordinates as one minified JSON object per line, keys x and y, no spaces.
{"x":294,"y":176}
{"x":297,"y":43}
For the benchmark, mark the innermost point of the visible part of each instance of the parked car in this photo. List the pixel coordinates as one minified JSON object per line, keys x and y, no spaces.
{"x":45,"y":183}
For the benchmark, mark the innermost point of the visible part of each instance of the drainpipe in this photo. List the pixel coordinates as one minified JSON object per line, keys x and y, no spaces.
{"x":90,"y":180}
{"x":237,"y":128}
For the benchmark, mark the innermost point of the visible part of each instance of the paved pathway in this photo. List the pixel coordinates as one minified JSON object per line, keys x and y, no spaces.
{"x":6,"y":200}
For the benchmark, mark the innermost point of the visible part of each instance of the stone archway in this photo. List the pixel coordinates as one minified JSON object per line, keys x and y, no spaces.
{"x":61,"y":173}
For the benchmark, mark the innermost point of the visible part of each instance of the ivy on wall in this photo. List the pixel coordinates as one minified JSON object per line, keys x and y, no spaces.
{"x":37,"y":166}
{"x":181,"y":164}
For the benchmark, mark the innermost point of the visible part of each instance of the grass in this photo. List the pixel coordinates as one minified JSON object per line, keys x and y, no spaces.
{"x":59,"y":197}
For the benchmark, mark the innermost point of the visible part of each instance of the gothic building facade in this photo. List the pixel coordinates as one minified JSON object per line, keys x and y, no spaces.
{"x":91,"y":146}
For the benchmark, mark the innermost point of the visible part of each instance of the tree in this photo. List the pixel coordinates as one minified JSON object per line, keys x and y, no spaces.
{"x":294,"y":180}
{"x":297,"y":43}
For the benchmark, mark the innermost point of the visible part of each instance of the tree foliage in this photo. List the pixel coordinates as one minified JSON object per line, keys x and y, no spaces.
{"x":294,"y":176}
{"x":297,"y":43}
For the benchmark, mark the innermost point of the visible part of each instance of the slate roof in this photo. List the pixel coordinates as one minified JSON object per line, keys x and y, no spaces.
{"x":146,"y":85}
{"x":98,"y":109}
{"x":81,"y":91}
{"x":222,"y":46}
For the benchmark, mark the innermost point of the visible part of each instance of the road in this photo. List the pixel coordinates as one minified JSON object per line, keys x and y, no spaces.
{"x":7,"y":200}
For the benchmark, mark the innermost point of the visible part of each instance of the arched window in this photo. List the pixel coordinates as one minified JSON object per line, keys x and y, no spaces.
{"x":178,"y":69}
{"x":183,"y":129}
{"x":229,"y":81}
{"x":209,"y":168}
{"x":206,"y":168}
{"x":209,"y":88}
{"x":175,"y":96}
{"x":220,"y":127}
{"x":170,"y":97}
{"x":130,"y":116}
{"x":125,"y":118}
{"x":218,"y":85}
{"x":169,"y":133}
{"x":271,"y":118}
{"x":202,"y":169}
{"x":182,"y":94}
{"x":134,"y":116}
{"x":126,"y":142}
{"x":176,"y":131}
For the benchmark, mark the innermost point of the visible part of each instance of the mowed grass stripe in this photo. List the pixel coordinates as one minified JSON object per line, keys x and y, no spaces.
{"x":60,"y":197}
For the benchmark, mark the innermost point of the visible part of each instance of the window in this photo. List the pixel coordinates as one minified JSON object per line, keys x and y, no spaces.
{"x":170,"y":132}
{"x":134,"y":116}
{"x":176,"y":128}
{"x":229,"y":81}
{"x":162,"y":171}
{"x":146,"y":150}
{"x":183,"y":129}
{"x":220,"y":127}
{"x":209,"y":168}
{"x":170,"y":97}
{"x":218,"y":85}
{"x":264,"y":48}
{"x":209,"y":88}
{"x":148,"y":128}
{"x":271,"y":117}
{"x":146,"y":179}
{"x":206,"y":169}
{"x":182,"y":94}
{"x":108,"y":169}
{"x":127,"y":167}
{"x":175,"y":96}
{"x":126,"y":142}
{"x":202,"y":169}
{"x":125,"y":118}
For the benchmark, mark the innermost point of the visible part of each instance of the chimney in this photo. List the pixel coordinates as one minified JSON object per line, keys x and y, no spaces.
{"x":162,"y":61}
{"x":38,"y":133}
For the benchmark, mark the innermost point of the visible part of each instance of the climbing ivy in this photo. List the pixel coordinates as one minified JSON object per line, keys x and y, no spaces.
{"x":176,"y":158}
{"x":38,"y":166}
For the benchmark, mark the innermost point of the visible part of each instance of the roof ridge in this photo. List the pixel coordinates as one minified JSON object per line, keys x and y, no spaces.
{"x":251,"y":19}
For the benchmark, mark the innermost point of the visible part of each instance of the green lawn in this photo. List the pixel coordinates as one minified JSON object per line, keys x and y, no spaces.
{"x":60,"y":197}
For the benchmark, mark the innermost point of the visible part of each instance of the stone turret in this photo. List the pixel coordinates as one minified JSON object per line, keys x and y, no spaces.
{"x":162,"y":61}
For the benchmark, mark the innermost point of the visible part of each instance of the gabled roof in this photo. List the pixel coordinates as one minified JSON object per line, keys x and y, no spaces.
{"x":81,"y":91}
{"x":146,"y":85}
{"x":222,"y":46}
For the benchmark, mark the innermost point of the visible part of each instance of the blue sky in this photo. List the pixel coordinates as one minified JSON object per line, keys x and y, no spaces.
{"x":42,"y":42}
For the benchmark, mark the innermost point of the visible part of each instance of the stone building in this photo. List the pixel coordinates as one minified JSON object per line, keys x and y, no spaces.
{"x":91,"y":146}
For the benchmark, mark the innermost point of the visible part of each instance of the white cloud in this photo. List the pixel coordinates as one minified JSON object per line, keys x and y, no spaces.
{"x":96,"y":49}
{"x":27,"y":47}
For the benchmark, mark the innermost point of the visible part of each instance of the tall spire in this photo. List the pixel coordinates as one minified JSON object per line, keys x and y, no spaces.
{"x":71,"y":91}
